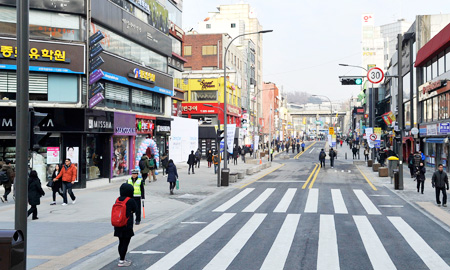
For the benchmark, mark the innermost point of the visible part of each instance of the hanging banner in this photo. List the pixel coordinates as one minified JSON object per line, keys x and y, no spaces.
{"x":231,"y":129}
{"x":333,"y":141}
{"x":256,"y":143}
{"x":377,"y":131}
{"x":330,"y":143}
{"x":371,"y":137}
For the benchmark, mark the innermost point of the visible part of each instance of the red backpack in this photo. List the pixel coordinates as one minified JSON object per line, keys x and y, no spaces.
{"x":119,"y":213}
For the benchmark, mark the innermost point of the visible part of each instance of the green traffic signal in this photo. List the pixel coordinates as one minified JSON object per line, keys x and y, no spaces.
{"x":358,"y":81}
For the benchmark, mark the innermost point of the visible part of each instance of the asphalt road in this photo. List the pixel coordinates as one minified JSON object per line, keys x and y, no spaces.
{"x":300,"y":217}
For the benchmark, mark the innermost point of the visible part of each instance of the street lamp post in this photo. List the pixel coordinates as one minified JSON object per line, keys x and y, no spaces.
{"x":225,"y":122}
{"x":217,"y":142}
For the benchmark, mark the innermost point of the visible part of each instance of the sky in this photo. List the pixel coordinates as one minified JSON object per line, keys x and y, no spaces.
{"x":311,"y":37}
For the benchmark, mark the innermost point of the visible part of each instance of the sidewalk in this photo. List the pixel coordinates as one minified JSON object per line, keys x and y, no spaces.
{"x":64,"y":235}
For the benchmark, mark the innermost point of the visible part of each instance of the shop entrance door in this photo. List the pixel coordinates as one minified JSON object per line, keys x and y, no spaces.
{"x":98,"y":153}
{"x":438,"y":158}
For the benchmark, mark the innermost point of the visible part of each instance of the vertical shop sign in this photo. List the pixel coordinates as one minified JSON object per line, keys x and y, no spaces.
{"x":95,"y":89}
{"x":231,"y":130}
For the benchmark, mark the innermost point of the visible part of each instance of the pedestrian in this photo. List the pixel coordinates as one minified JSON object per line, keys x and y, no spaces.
{"x":126,"y":232}
{"x":322,"y":156}
{"x":293,"y":147}
{"x":354,"y":151}
{"x":235,"y":155}
{"x":172,"y":176}
{"x":340,"y":141}
{"x":7,"y":176}
{"x":144,"y":165}
{"x":67,"y":175}
{"x":209,"y":158}
{"x":411,"y":164}
{"x":417,"y":159}
{"x":191,"y":162}
{"x":198,"y":157}
{"x":243,"y":154}
{"x":358,"y":148}
{"x":420,"y":176}
{"x":366,"y":154}
{"x":303,"y":146}
{"x":298,"y":147}
{"x":153,"y":167}
{"x":382,"y":156}
{"x":139,"y":192}
{"x":332,"y":155}
{"x":216,"y":160}
{"x":251,"y":151}
{"x":165,"y":161}
{"x":35,"y":192}
{"x":271,"y":155}
{"x":56,"y":186}
{"x":439,"y":182}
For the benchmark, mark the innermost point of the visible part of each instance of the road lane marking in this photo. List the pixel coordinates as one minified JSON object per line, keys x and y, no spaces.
{"x":309,"y":178}
{"x":224,"y":207}
{"x":189,"y":245}
{"x":328,"y":255}
{"x":283,"y":205}
{"x":379,"y":195}
{"x":262,"y":176}
{"x":259,"y":201}
{"x":315,"y":177}
{"x":226,"y":256}
{"x":338,"y":202}
{"x":390,"y":206}
{"x":276,"y":258}
{"x":148,"y":252}
{"x":367,"y":180}
{"x":281,"y":181}
{"x":193,"y":222}
{"x":425,"y":252}
{"x":370,"y":208}
{"x":306,"y":149}
{"x":375,"y":250}
{"x":312,"y":201}
{"x":312,"y":150}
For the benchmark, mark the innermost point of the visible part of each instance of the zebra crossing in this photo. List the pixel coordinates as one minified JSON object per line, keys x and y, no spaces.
{"x":330,"y":237}
{"x":291,"y":194}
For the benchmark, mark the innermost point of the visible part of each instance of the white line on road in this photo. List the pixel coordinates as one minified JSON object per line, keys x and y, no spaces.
{"x":258,"y":201}
{"x":312,"y":150}
{"x":224,"y":207}
{"x":370,"y":208}
{"x":283,"y":206}
{"x":328,"y":255}
{"x":312,"y":201}
{"x":281,"y":181}
{"x":187,"y":247}
{"x":226,"y":256}
{"x":390,"y":206}
{"x":338,"y":202}
{"x":146,"y":252}
{"x":425,"y":252}
{"x":193,"y":222}
{"x":375,"y":250}
{"x":280,"y":249}
{"x":378,"y":195}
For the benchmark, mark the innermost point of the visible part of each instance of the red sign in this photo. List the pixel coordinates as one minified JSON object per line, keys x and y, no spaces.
{"x":144,"y":126}
{"x":233,"y":110}
{"x":199,"y":108}
{"x":432,"y":86}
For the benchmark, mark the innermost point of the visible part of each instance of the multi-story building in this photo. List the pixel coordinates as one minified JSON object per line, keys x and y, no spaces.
{"x":271,"y":103}
{"x":106,"y":135}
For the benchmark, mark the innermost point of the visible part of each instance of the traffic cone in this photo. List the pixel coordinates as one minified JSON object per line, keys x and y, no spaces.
{"x":260,"y":161}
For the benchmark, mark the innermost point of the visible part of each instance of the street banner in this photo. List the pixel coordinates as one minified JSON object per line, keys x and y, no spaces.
{"x":377,"y":131}
{"x":371,"y":137}
{"x":330,"y":143}
{"x":333,"y":141}
{"x":256,"y":144}
{"x":231,"y":129}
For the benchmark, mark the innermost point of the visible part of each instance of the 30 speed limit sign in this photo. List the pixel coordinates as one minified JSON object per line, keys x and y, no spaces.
{"x":375,"y":75}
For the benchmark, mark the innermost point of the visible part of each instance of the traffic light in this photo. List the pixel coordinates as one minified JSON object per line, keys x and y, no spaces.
{"x":219,"y":135}
{"x":37,"y":121}
{"x":351,"y":80}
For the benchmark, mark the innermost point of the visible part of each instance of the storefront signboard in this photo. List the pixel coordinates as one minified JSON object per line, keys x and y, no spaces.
{"x":162,"y":128}
{"x":444,"y":128}
{"x":144,"y":126}
{"x":124,"y":124}
{"x":99,"y":121}
{"x":199,"y":108}
{"x":53,"y":155}
{"x":233,"y":110}
{"x":95,"y":100}
{"x":431,"y":130}
{"x":66,"y":6}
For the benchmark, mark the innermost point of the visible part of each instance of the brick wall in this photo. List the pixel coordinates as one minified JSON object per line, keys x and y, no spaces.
{"x":197,"y":61}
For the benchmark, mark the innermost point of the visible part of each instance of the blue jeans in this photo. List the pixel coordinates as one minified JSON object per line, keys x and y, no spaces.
{"x":67,"y":187}
{"x":215,"y":168}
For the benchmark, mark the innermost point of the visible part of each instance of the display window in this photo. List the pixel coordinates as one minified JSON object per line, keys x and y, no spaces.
{"x":120,"y":158}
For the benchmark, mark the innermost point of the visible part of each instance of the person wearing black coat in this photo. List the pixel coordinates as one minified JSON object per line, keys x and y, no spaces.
{"x":56,"y":186}
{"x":420,"y":176}
{"x":209,"y":158}
{"x":172,"y":176}
{"x":191,"y":162}
{"x":439,"y":182}
{"x":35,"y":192}
{"x":125,"y":233}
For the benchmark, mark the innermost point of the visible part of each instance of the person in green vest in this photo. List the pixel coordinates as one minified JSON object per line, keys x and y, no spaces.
{"x":139,"y":192}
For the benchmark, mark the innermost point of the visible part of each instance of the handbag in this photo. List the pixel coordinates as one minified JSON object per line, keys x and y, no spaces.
{"x":177,"y":184}
{"x":50,"y":183}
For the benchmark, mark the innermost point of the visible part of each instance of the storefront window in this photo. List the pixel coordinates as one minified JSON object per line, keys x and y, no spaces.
{"x":93,"y":160}
{"x":145,"y":101}
{"x":120,"y":159}
{"x":435,"y":109}
{"x":428,"y":71}
{"x":434,"y":68}
{"x":441,"y":64}
{"x":203,"y":95}
{"x":429,"y":110}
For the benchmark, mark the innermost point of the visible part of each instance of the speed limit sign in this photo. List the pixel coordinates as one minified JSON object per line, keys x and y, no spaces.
{"x":375,"y":75}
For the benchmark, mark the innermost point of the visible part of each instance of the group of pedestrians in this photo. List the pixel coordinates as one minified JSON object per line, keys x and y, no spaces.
{"x":322,"y":155}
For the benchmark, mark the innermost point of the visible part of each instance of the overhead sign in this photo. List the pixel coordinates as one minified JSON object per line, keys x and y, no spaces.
{"x":375,"y":75}
{"x":331,"y":131}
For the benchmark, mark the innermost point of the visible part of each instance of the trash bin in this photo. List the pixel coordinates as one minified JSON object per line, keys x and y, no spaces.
{"x":392,"y":165}
{"x":12,"y":249}
{"x":396,"y":179}
{"x":225,"y":177}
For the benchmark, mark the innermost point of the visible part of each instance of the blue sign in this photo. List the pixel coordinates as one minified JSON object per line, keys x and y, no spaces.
{"x":42,"y":69}
{"x":222,"y":146}
{"x":119,"y":79}
{"x":444,"y":128}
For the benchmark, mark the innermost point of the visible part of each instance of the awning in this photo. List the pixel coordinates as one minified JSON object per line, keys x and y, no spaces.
{"x":409,"y":138}
{"x":433,"y":47}
{"x":435,"y":140}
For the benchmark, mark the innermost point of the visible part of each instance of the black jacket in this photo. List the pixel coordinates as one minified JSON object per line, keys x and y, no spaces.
{"x":172,"y":174}
{"x":57,"y":184}
{"x":324,"y":155}
{"x":35,"y":191}
{"x":332,"y":154}
{"x":439,"y":179}
{"x":420,"y":173}
{"x":191,"y":159}
{"x":126,"y":190}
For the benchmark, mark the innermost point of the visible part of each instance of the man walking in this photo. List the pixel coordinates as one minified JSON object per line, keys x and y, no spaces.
{"x":322,"y":156}
{"x":198,"y":157}
{"x":191,"y":162}
{"x":420,"y":176}
{"x":439,"y":182}
{"x":216,"y":161}
{"x":152,"y":165}
{"x":7,"y":179}
{"x":68,"y":175}
{"x":139,"y":192}
{"x":332,"y":155}
{"x":144,"y":166}
{"x":243,"y":150}
{"x":303,"y":146}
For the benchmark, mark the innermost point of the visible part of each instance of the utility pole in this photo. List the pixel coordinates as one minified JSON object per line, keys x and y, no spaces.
{"x":400,"y":108}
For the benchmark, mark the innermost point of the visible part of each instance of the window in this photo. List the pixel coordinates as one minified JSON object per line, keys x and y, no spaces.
{"x":428,"y":78}
{"x":176,"y":45}
{"x":435,"y":109}
{"x":434,"y":68}
{"x":233,"y":25}
{"x":146,"y":101}
{"x":38,"y":86}
{"x":117,"y":96}
{"x":447,"y":59}
{"x":441,"y":63}
{"x":443,"y":110}
{"x":209,"y":50}
{"x":203,"y":95}
{"x":429,"y":110}
{"x":187,"y":50}
{"x":208,"y":26}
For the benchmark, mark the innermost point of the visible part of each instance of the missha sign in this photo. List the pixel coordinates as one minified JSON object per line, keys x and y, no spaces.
{"x":99,"y":121}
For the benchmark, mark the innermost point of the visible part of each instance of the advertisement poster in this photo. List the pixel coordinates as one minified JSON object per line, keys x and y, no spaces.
{"x":370,"y":138}
{"x":120,"y":157}
{"x":72,"y":153}
{"x":333,"y":140}
{"x":231,"y":129}
{"x":53,"y":155}
{"x":377,"y":131}
{"x":256,"y":144}
{"x":330,"y":143}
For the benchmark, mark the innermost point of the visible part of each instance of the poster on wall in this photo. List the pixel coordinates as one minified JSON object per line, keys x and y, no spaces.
{"x":53,"y":155}
{"x":184,"y":138}
{"x":120,"y":156}
{"x":231,"y":129}
{"x":72,"y":153}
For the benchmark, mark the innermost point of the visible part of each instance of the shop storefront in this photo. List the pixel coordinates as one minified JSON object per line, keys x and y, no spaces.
{"x":145,"y":126}
{"x":122,"y":144}
{"x":435,"y":142}
{"x":162,"y":134}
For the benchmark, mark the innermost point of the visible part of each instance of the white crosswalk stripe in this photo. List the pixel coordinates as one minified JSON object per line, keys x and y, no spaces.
{"x":259,"y":201}
{"x":312,"y":202}
{"x":328,"y":255}
{"x":283,"y":206}
{"x":370,"y":208}
{"x":338,"y":202}
{"x":224,"y":207}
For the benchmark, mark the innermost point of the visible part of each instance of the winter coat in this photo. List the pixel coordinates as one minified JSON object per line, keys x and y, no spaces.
{"x":439,"y":179}
{"x":147,"y":164}
{"x":417,"y":159}
{"x":164,"y":161}
{"x":68,"y":174}
{"x":324,"y":155}
{"x":126,"y":190}
{"x":410,"y":161}
{"x":191,"y":159}
{"x":198,"y":155}
{"x":172,"y":174}
{"x":57,"y":184}
{"x":332,"y":154}
{"x":209,"y":157}
{"x":420,"y":172}
{"x":35,"y":191}
{"x":11,"y":175}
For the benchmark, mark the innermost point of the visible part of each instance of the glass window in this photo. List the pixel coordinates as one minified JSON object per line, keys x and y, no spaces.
{"x":428,"y":71}
{"x":62,"y":88}
{"x":443,"y":110}
{"x":175,"y":15}
{"x":434,"y":68}
{"x":121,"y":160}
{"x":447,"y":59}
{"x":435,"y":108}
{"x":117,"y":96}
{"x":209,"y":50}
{"x":441,"y":63}
{"x":187,"y":50}
{"x":429,"y":110}
{"x":203,"y":95}
{"x":38,"y":84}
{"x":176,"y":45}
{"x":424,"y":112}
{"x":233,"y":25}
{"x":146,"y":101}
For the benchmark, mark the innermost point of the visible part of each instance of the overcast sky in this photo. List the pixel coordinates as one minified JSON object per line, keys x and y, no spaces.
{"x":311,"y":37}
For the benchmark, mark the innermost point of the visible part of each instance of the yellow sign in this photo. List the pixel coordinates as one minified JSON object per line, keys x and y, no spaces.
{"x":10,"y":52}
{"x":331,"y":131}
